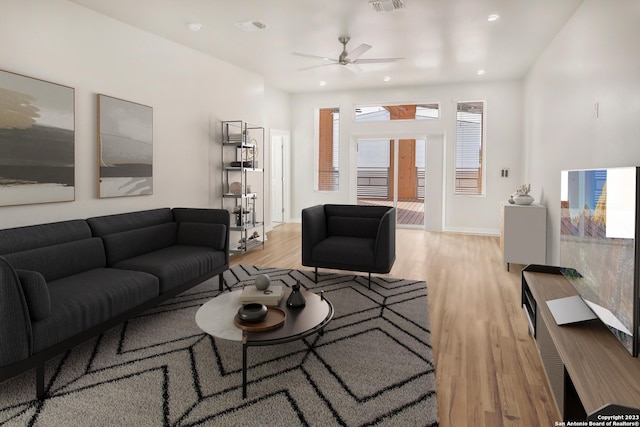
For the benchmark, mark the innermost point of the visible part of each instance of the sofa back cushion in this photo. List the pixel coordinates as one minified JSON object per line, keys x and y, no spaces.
{"x":110,"y":224}
{"x":62,"y":260}
{"x":131,"y":234}
{"x":131,"y":243}
{"x":354,"y":220}
{"x":201,"y":234}
{"x":36,"y":236}
{"x":55,"y":250}
{"x":346,"y":226}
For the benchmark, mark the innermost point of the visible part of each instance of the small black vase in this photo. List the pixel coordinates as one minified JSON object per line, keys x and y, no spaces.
{"x":296,"y":300}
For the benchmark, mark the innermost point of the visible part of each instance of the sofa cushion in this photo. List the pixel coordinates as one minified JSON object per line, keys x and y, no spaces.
{"x":175,"y":265}
{"x":84,"y":300}
{"x":109,"y":224}
{"x":131,"y":243}
{"x":36,"y":293}
{"x":37,"y":236}
{"x":201,"y":234}
{"x":347,"y":252}
{"x":65,"y":259}
{"x":352,"y":227}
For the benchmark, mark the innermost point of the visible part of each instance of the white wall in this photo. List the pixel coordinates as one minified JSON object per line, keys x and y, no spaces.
{"x":504,"y":138}
{"x":190,"y":93}
{"x":594,"y":59}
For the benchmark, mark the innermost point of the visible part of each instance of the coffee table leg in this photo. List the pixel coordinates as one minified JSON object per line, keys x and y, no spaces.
{"x":244,"y":366}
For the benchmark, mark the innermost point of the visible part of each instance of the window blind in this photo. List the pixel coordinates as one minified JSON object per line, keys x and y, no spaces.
{"x":469,"y":148}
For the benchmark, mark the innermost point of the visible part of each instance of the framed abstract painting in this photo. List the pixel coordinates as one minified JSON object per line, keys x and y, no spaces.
{"x":125,"y":148}
{"x":37,"y":138}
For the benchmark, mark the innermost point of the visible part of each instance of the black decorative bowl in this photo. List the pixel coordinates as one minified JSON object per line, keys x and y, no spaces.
{"x":252,"y":313}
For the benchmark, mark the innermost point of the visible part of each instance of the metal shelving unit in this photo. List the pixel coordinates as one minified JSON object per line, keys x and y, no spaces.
{"x":243,"y":183}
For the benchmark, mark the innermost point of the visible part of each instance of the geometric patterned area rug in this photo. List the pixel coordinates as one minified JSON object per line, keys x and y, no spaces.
{"x":373,"y":366}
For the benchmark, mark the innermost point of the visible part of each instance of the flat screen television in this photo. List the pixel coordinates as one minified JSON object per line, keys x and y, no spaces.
{"x":599,"y":245}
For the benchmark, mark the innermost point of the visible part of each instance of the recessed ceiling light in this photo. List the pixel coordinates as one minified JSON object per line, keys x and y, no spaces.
{"x":323,"y":83}
{"x":386,"y":78}
{"x":481,"y":72}
{"x":493,"y":18}
{"x":252,"y":25}
{"x":194,"y":26}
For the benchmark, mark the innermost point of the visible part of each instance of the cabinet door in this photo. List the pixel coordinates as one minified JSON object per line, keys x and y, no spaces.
{"x":524,"y":230}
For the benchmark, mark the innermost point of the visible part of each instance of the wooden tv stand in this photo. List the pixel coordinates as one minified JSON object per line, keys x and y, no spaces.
{"x":588,"y":370}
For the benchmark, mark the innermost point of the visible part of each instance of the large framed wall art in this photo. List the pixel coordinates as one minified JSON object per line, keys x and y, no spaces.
{"x":125,"y":148}
{"x":37,"y":136}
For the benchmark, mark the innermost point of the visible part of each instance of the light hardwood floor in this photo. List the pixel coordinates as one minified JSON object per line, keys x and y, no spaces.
{"x":488,"y":371}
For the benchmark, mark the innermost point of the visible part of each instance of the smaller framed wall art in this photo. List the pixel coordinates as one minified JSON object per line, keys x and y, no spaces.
{"x":125,"y":148}
{"x":37,"y":137}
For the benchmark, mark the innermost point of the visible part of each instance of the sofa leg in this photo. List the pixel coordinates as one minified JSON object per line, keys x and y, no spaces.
{"x":40,"y":380}
{"x":316,"y":277}
{"x":369,"y":280}
{"x":220,"y":282}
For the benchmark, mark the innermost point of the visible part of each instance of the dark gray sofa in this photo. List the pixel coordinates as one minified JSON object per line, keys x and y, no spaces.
{"x":349,"y":237}
{"x":64,"y":282}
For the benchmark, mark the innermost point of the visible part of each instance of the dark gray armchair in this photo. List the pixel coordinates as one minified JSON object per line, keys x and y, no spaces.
{"x":349,"y":237}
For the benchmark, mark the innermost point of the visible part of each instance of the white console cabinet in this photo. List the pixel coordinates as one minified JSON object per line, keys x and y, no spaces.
{"x":523,"y":233}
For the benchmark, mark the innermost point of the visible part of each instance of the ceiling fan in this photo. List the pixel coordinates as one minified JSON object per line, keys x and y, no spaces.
{"x":348,"y":59}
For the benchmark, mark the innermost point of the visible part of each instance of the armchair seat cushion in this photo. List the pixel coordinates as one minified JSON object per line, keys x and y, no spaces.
{"x":352,"y":253}
{"x":175,"y":265}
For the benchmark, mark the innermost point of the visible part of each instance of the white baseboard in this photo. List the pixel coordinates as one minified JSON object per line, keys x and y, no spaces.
{"x":478,"y":231}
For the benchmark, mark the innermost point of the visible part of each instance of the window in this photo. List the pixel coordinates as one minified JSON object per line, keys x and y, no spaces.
{"x":469,"y":148}
{"x":328,"y":149}
{"x":379,"y":113}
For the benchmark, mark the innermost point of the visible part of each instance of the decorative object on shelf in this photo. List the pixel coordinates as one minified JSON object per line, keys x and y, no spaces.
{"x":296,"y":300}
{"x":235,"y":188}
{"x":262,"y":282}
{"x":252,"y":313}
{"x":248,"y":154}
{"x":521,"y":196}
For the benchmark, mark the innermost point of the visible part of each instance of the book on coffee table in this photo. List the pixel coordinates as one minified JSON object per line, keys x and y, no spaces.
{"x":272,"y":296}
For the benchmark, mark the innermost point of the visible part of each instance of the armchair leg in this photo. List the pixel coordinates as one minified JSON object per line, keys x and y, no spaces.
{"x":369,"y":280}
{"x":316,"y":275}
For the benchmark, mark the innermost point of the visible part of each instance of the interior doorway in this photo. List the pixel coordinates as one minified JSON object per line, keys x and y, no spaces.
{"x":391,"y":172}
{"x":279,"y":176}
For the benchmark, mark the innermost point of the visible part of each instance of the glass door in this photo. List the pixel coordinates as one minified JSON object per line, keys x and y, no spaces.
{"x":391,"y":172}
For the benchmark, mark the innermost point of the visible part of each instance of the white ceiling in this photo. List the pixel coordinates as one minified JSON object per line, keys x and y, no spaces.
{"x":441,"y":41}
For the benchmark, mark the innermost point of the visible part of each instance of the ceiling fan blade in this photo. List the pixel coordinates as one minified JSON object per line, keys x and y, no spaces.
{"x":316,"y":66}
{"x":357,"y":52}
{"x":314,"y":56}
{"x":376,"y":60}
{"x":354,"y":68}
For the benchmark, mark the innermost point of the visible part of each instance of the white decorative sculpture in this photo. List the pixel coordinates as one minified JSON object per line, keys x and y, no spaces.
{"x":521,"y":196}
